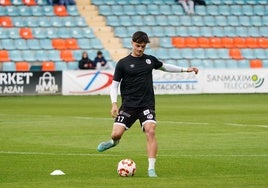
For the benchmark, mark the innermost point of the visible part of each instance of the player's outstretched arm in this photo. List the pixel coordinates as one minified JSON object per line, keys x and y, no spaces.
{"x":173,"y":68}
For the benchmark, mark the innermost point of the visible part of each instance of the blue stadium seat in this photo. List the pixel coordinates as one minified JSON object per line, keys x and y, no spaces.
{"x":105,"y":10}
{"x":209,"y":21}
{"x":48,"y":10}
{"x":247,"y":53}
{"x":149,"y":20}
{"x":129,"y":10}
{"x":56,"y":21}
{"x":174,"y":53}
{"x":69,"y":21}
{"x":205,"y":31}
{"x":182,"y":31}
{"x":229,"y":31}
{"x":72,"y":10}
{"x":260,"y":53}
{"x":33,"y":44}
{"x":84,"y":43}
{"x":15,"y":55}
{"x":46,"y":44}
{"x":39,"y":33}
{"x":64,"y":32}
{"x":9,"y":66}
{"x":265,"y":19}
{"x":170,"y":31}
{"x":244,"y":21}
{"x":201,"y":10}
{"x":218,"y":31}
{"x":197,"y":21}
{"x":37,"y":11}
{"x":77,"y":54}
{"x":256,"y":21}
{"x":230,"y":63}
{"x":80,"y":21}
{"x":221,"y":20}
{"x":137,"y":20}
{"x":13,"y":33}
{"x":18,"y":21}
{"x":219,"y":63}
{"x":113,"y":21}
{"x":223,"y":53}
{"x":25,"y":11}
{"x":236,"y":10}
{"x":96,"y":43}
{"x":28,"y":55}
{"x":41,"y":55}
{"x":60,"y":66}
{"x":173,"y":20}
{"x":158,"y":31}
{"x":44,"y":21}
{"x":16,"y":2}
{"x":177,"y":10}
{"x":247,"y":10}
{"x":76,"y":32}
{"x":199,"y":53}
{"x":121,"y":32}
{"x":31,"y":21}
{"x":72,"y":65}
{"x":259,"y":10}
{"x":141,"y":9}
{"x":212,"y":10}
{"x":161,"y":20}
{"x":243,"y":64}
{"x":224,"y":10}
{"x":88,"y":32}
{"x":263,"y":31}
{"x":253,"y":31}
{"x":241,"y":31}
{"x":165,"y":42}
{"x":21,"y":44}
{"x":162,"y":53}
{"x":153,"y":9}
{"x":185,"y":20}
{"x":233,"y":21}
{"x":11,"y":11}
{"x":164,"y":9}
{"x":211,"y":53}
{"x":125,"y":20}
{"x":265,"y":63}
{"x":117,"y":10}
{"x":193,"y":31}
{"x":8,"y":44}
{"x":51,"y":33}
{"x":54,"y":55}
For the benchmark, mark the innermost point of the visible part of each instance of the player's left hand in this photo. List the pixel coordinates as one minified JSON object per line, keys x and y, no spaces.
{"x":193,"y":69}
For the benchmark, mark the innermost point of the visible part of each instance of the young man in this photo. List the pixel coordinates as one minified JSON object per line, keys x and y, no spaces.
{"x":134,"y":72}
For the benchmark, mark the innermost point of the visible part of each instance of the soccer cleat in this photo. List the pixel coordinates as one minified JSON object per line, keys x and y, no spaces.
{"x":151,"y":173}
{"x":106,"y":145}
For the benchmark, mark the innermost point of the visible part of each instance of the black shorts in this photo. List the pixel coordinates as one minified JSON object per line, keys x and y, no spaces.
{"x":127,"y":116}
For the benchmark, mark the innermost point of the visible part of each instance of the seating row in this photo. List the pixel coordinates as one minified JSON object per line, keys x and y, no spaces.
{"x":69,"y":21}
{"x":212,"y":10}
{"x":195,"y":31}
{"x":45,"y":66}
{"x":47,"y":55}
{"x":57,"y":10}
{"x":47,"y":33}
{"x":172,"y":2}
{"x":185,"y":20}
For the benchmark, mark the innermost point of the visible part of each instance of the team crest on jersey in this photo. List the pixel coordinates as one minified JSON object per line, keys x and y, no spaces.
{"x":132,"y":66}
{"x":148,"y":61}
{"x":150,"y":116}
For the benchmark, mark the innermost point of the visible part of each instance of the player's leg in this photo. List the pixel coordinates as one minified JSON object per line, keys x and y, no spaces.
{"x":116,"y":135}
{"x":149,"y":129}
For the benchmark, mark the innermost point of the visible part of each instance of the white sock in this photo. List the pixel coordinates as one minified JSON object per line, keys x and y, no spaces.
{"x":151,"y":162}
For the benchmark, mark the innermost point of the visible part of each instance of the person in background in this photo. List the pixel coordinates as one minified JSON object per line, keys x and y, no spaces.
{"x":133,"y":74}
{"x":101,"y":63}
{"x":85,"y":62}
{"x":188,"y":6}
{"x":100,"y":60}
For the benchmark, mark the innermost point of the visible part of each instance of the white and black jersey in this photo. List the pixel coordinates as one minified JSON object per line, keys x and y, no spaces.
{"x":135,"y":76}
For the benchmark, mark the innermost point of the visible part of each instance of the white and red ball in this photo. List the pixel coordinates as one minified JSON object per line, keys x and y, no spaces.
{"x":126,"y":168}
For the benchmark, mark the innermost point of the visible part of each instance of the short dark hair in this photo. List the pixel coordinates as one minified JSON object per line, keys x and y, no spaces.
{"x":140,"y":37}
{"x":99,"y":53}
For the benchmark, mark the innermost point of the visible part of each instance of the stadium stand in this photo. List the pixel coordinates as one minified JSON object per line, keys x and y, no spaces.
{"x":223,"y":34}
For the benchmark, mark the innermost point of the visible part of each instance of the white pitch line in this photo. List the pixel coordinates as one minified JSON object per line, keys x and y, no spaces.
{"x":115,"y":155}
{"x":244,"y":125}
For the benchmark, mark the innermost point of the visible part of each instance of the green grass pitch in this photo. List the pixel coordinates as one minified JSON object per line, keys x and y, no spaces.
{"x":204,"y":141}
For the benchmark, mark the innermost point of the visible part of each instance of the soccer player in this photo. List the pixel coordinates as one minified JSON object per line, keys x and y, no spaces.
{"x":134,"y":75}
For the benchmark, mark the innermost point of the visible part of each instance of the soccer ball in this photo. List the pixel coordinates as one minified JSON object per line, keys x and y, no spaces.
{"x":126,"y":168}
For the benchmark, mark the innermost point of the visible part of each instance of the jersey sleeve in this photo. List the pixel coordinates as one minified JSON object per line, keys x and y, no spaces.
{"x":157,"y":63}
{"x":118,"y":72}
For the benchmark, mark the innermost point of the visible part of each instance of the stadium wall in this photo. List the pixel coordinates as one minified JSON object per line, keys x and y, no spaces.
{"x":91,"y":82}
